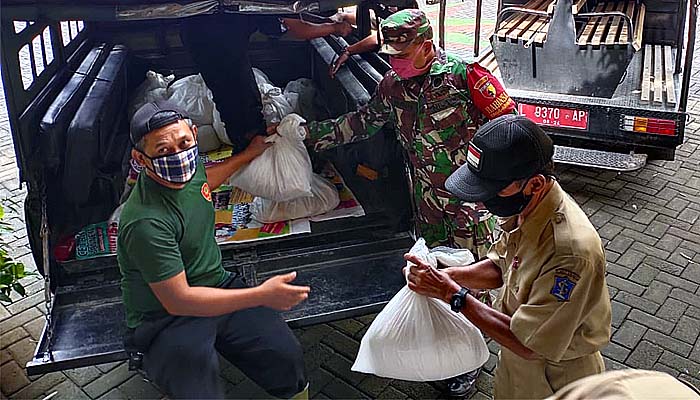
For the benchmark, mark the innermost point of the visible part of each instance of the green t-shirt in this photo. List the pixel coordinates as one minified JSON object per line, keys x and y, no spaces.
{"x":162,"y":232}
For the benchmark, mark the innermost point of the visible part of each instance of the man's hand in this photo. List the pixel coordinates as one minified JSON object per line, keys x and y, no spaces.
{"x":428,"y":281}
{"x":342,"y":28}
{"x":256,"y":147}
{"x":277,"y":293}
{"x":335,"y":66}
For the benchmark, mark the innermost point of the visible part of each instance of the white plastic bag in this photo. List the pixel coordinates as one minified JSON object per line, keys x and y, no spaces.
{"x":275,"y":104}
{"x":325,"y":198}
{"x":283,"y":172}
{"x":261,"y":77}
{"x":193,"y":96}
{"x":207,"y":139}
{"x":417,"y":338}
{"x":152,"y":89}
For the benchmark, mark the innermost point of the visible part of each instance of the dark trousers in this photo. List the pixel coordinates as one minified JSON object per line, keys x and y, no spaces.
{"x":182,"y":357}
{"x":219,"y":46}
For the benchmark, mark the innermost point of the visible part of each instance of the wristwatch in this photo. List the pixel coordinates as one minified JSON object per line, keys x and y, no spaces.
{"x":459,"y":299}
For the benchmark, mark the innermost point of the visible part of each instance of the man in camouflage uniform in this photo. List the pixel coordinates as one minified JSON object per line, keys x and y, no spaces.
{"x":436,"y":101}
{"x":436,"y":114}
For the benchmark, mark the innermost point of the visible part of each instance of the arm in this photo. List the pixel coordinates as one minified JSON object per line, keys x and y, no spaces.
{"x":179,"y":298}
{"x":486,"y":92}
{"x":353,"y":126}
{"x":495,"y":324}
{"x":220,"y":172}
{"x":307,"y":30}
{"x":365,"y":45}
{"x":426,"y":280}
{"x":483,"y":274}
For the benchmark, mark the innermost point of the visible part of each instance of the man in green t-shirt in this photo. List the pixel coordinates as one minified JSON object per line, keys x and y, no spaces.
{"x":182,"y":307}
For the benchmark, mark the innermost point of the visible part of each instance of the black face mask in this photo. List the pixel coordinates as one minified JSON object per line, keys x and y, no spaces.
{"x":508,"y":206}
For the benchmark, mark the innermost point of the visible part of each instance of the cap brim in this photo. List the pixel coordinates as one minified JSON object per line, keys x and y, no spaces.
{"x":467,"y":186}
{"x":392,"y":50}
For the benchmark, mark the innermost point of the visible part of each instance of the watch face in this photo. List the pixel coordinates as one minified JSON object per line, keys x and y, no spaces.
{"x":457,"y":304}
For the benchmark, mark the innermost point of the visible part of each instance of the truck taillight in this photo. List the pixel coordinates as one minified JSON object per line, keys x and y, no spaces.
{"x":649,"y":125}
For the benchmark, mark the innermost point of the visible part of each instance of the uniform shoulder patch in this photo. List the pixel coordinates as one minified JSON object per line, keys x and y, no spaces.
{"x":206,"y":193}
{"x":563,"y":286}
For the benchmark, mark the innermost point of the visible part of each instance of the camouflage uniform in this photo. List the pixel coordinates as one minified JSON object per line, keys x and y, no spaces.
{"x":435,"y":115}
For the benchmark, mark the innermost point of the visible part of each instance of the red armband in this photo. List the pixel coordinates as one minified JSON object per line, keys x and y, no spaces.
{"x":487,"y":93}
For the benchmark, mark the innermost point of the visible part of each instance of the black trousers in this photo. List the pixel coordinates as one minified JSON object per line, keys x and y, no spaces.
{"x":181,"y":355}
{"x":219,"y":46}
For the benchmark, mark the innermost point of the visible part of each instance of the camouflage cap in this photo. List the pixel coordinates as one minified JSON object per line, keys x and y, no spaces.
{"x":402,"y":28}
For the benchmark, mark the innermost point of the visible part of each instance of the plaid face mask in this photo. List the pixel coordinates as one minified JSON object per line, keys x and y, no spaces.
{"x":179,"y":167}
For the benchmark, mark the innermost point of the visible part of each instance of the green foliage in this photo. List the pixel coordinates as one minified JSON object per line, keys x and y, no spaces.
{"x":11,"y":271}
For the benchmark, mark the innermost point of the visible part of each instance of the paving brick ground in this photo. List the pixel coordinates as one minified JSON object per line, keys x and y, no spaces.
{"x":650,"y":224}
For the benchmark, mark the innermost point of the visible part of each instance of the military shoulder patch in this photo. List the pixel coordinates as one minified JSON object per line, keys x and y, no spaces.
{"x":563,"y":286}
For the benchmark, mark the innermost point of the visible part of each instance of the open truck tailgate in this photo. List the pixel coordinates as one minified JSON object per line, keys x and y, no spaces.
{"x":348,"y":279}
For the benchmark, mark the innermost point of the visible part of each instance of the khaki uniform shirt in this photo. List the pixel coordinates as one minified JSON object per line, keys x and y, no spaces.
{"x":628,"y":384}
{"x":555,"y":292}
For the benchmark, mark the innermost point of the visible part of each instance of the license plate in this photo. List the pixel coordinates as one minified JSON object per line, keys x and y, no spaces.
{"x":555,"y":116}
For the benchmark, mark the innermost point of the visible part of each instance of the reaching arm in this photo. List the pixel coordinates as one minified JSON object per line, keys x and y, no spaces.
{"x":219,"y":173}
{"x":483,"y":274}
{"x":307,"y":30}
{"x":179,"y":298}
{"x":365,"y":45}
{"x":353,"y":126}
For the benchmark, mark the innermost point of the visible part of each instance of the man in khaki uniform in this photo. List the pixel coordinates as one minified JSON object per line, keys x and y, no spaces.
{"x":628,"y":384}
{"x":553,"y":313}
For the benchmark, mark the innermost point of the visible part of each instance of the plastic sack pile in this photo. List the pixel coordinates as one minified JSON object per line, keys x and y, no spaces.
{"x":417,"y":338}
{"x":193,"y":96}
{"x":299,"y":96}
{"x":153,"y":88}
{"x":324,"y":197}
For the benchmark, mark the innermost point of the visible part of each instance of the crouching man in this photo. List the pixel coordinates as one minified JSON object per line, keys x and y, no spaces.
{"x":552,"y":315}
{"x":182,"y":307}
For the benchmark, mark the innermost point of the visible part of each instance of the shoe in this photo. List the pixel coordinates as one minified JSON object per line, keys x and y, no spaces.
{"x":462,"y":386}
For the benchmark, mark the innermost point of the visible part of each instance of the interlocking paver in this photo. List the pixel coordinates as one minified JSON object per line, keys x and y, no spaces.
{"x":13,"y":337}
{"x":657,"y":292}
{"x":19,"y":320}
{"x":624,"y":284}
{"x":68,"y":390}
{"x":338,"y":389}
{"x":687,"y":329}
{"x":668,"y":342}
{"x":644,"y":356}
{"x":342,"y":344}
{"x":137,"y":388}
{"x":40,"y":386}
{"x":83,"y":376}
{"x":340,"y":367}
{"x":13,"y":377}
{"x":106,"y":382}
{"x":650,"y":321}
{"x":23,"y":350}
{"x":629,"y":334}
{"x":637,"y":302}
{"x":619,"y":312}
{"x":672,"y":310}
{"x":616,"y":352}
{"x":391,"y":394}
